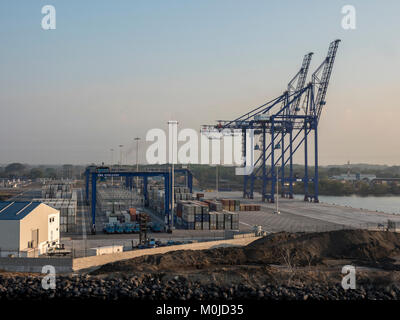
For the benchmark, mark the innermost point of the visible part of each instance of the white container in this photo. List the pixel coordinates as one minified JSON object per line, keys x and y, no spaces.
{"x":112,"y":219}
{"x":106,"y":250}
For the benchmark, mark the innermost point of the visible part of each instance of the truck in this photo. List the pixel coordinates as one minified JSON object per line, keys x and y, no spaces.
{"x":170,"y":243}
{"x":58,"y":250}
{"x":149,"y":243}
{"x":152,"y":243}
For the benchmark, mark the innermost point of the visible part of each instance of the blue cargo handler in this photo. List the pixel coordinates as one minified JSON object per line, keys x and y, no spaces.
{"x":93,"y":173}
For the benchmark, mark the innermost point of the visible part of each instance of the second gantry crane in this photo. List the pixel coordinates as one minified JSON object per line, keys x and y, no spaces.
{"x":282,"y":126}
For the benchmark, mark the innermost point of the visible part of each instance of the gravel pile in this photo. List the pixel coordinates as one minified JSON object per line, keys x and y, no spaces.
{"x":151,"y":288}
{"x":371,"y":248}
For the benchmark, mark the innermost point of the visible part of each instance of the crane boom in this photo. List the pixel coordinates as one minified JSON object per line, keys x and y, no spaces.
{"x":321,"y":82}
{"x":301,"y":77}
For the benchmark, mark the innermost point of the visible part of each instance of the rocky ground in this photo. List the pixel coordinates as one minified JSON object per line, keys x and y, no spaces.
{"x":278,"y":267}
{"x":154,"y":288}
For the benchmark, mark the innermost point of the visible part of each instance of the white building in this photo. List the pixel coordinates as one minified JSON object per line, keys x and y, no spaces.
{"x":27,"y":228}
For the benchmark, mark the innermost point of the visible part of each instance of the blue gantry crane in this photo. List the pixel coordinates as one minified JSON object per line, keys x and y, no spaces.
{"x":282,"y":126}
{"x":93,"y":173}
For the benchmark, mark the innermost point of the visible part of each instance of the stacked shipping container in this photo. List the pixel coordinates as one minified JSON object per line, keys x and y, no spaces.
{"x":67,"y":208}
{"x":60,"y":190}
{"x":201,"y":215}
{"x":117,"y":199}
{"x":249,"y":207}
{"x":156,"y":195}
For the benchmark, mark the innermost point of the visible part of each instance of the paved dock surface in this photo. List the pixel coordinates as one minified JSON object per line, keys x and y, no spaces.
{"x":297,"y":215}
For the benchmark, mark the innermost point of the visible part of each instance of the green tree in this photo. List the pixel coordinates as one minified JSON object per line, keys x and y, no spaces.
{"x":14,"y":169}
{"x":36,"y":173}
{"x":50,"y":173}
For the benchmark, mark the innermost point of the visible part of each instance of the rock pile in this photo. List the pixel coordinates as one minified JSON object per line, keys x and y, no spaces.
{"x":149,"y":287}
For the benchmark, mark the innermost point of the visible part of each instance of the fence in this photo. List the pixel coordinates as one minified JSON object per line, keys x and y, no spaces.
{"x":83,"y":248}
{"x":16,"y":253}
{"x":62,"y":265}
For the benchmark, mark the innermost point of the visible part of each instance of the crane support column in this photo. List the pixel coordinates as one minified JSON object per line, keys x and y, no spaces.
{"x":305,"y":164}
{"x":93,"y":228}
{"x":283,"y":163}
{"x":264,"y":168}
{"x":87,"y":186}
{"x":145,"y":194}
{"x":291,"y":164}
{"x":167,"y":177}
{"x":127,"y":182}
{"x":316,"y":178}
{"x":245,"y":177}
{"x":273,"y":174}
{"x":190,"y":182}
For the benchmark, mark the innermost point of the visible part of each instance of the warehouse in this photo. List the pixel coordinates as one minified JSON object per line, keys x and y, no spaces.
{"x":27,"y":229}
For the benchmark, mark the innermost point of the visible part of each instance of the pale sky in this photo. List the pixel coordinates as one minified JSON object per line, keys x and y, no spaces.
{"x":114,"y":69}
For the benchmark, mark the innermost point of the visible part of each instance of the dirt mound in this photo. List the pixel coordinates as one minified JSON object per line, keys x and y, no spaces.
{"x":179,"y":261}
{"x":298,"y":249}
{"x":311,"y":248}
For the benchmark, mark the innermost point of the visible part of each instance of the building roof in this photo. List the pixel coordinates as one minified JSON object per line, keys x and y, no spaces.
{"x":16,"y":210}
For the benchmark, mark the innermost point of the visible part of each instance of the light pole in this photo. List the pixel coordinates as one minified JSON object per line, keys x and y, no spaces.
{"x":216,"y":171}
{"x":120,"y":155}
{"x":137,"y":161}
{"x":216,"y":181}
{"x":112,"y":157}
{"x":120,"y":158}
{"x":112,"y":163}
{"x":172,"y":124}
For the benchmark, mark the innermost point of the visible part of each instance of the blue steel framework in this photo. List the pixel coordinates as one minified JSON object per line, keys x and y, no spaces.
{"x":92,"y":174}
{"x":288,"y":120}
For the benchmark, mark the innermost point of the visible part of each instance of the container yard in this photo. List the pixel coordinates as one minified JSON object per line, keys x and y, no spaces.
{"x":117,"y":206}
{"x":111,"y":200}
{"x":121,"y":209}
{"x":59,"y":190}
{"x":148,"y":194}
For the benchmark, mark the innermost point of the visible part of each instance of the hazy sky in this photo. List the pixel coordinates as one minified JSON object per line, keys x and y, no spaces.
{"x":114,"y":69}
